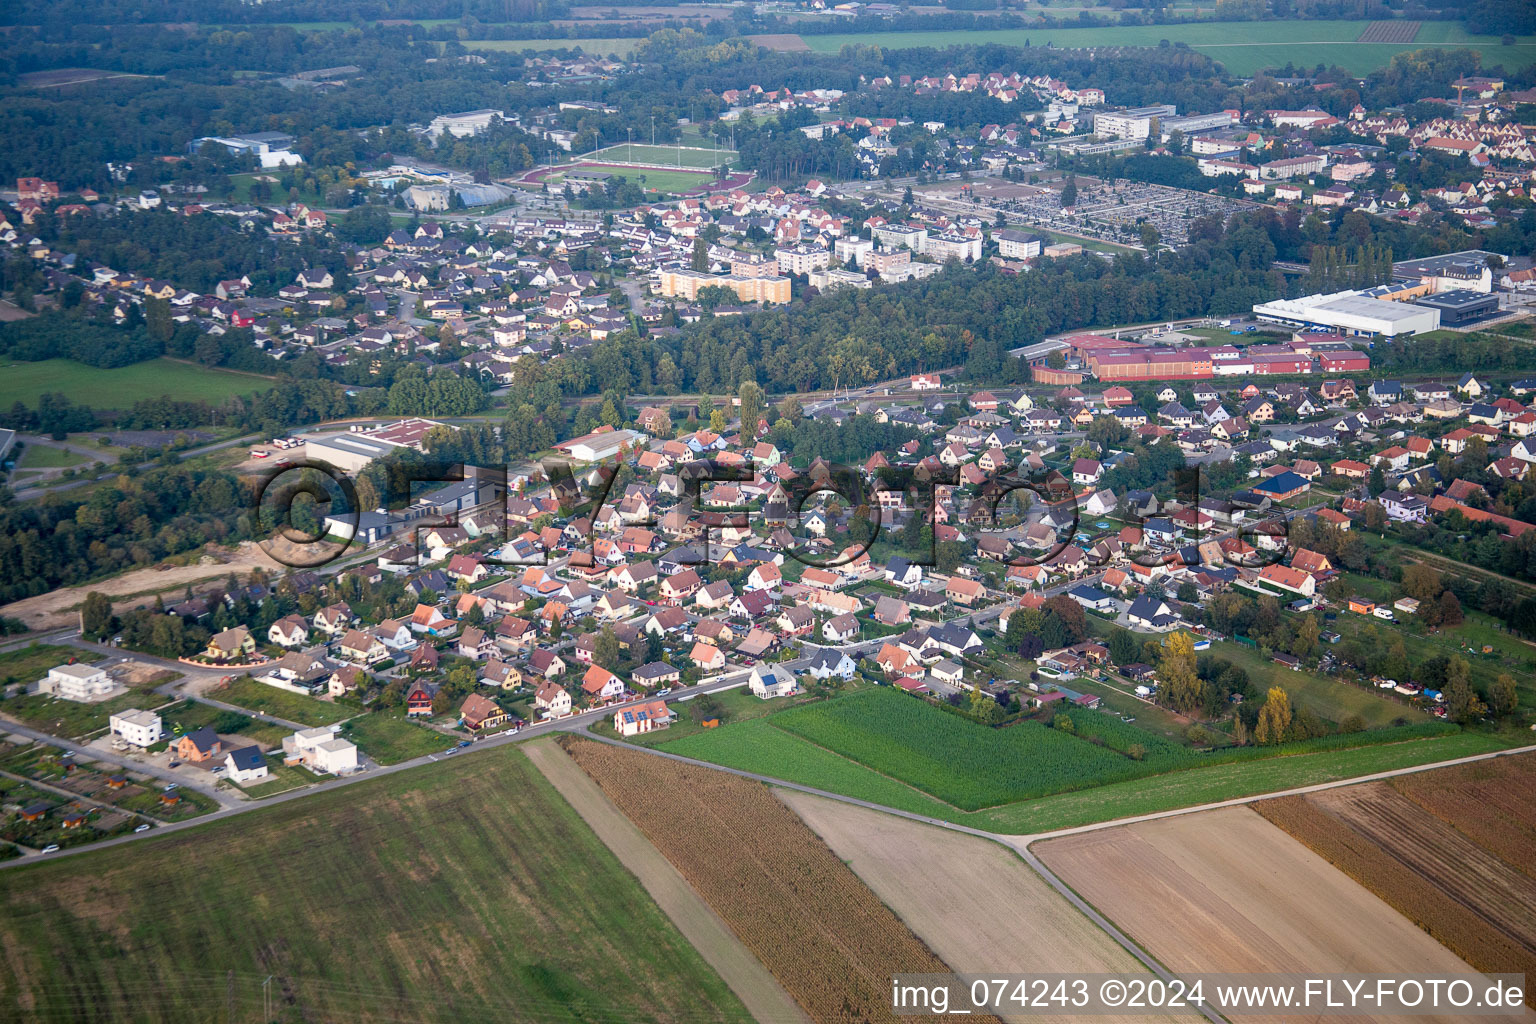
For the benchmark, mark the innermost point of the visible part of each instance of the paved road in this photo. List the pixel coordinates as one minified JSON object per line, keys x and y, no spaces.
{"x":28,"y":493}
{"x":727,"y":681}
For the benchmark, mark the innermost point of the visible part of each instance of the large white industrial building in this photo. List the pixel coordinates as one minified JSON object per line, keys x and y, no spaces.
{"x":1350,"y":312}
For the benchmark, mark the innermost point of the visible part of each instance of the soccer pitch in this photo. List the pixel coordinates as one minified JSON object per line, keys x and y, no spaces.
{"x":667,"y":156}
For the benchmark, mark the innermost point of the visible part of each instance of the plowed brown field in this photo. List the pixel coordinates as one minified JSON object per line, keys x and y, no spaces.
{"x":983,"y":910}
{"x":1431,"y":845}
{"x":1226,"y":891}
{"x":825,"y":936}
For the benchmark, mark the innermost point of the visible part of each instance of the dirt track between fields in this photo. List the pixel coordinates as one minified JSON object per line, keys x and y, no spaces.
{"x":763,"y":996}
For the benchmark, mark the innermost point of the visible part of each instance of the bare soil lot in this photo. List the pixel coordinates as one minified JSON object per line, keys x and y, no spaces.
{"x":56,"y":608}
{"x":973,"y":902}
{"x":1225,"y":890}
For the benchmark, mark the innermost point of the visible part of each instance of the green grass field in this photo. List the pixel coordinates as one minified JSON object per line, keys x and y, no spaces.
{"x":688,"y":155}
{"x":653,"y":180}
{"x":24,"y":664}
{"x":591,"y":47}
{"x":388,"y":738}
{"x":1168,"y":777}
{"x":1333,"y":699}
{"x":295,"y":707}
{"x":462,"y":891}
{"x":120,"y":388}
{"x":42,"y":456}
{"x":1222,"y":782}
{"x":279,"y":196}
{"x":1244,"y":47}
{"x":757,"y":746}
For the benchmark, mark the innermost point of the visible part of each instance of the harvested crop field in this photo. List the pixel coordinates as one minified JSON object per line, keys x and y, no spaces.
{"x":825,"y":936}
{"x":465,"y":890}
{"x":1389,"y":32}
{"x":783,"y":42}
{"x":986,"y":910}
{"x":764,"y":997}
{"x":1478,"y":905}
{"x":1488,"y":801}
{"x":1225,"y":890}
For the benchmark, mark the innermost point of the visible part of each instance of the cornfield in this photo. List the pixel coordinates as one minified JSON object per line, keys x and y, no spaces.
{"x":1380,"y":869}
{"x":968,"y":765}
{"x":820,"y":930}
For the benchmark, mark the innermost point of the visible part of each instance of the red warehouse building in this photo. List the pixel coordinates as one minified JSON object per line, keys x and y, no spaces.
{"x":1344,"y":362}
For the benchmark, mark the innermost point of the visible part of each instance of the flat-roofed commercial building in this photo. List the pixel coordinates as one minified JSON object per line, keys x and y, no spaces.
{"x":1350,"y":313}
{"x":1461,"y":306}
{"x":1134,"y":123}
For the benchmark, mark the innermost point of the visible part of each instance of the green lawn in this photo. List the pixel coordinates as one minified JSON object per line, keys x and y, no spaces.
{"x":1243,"y":47}
{"x":246,"y":692}
{"x":281,"y":778}
{"x":736,"y":705}
{"x":463,"y":891}
{"x":120,"y":388}
{"x":190,"y":715}
{"x":389,"y":738}
{"x":757,"y":746}
{"x":42,"y":456}
{"x":690,"y":154}
{"x":279,"y":195}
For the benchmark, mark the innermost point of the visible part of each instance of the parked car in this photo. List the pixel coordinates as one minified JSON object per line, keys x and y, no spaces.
{"x":51,"y":848}
{"x":143,"y":828}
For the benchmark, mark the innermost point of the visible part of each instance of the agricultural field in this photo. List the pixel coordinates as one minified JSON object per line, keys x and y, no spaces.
{"x":398,"y":898}
{"x":1487,"y":801}
{"x":823,"y":934}
{"x":389,"y":738}
{"x":247,"y":693}
{"x":981,"y":910}
{"x":1225,"y":890}
{"x":1425,"y":863}
{"x":1243,"y":47}
{"x":1225,"y":782}
{"x":759,"y":746}
{"x":764,"y":997}
{"x":121,"y":387}
{"x":688,"y":155}
{"x":962,"y":763}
